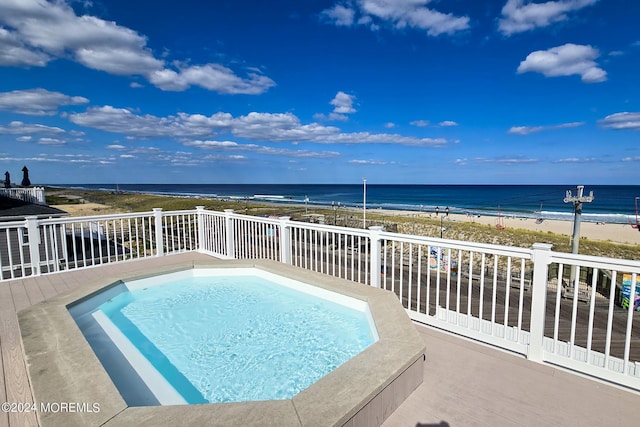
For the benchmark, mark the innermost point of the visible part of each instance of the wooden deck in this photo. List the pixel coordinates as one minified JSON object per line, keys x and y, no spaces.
{"x":466,"y":383}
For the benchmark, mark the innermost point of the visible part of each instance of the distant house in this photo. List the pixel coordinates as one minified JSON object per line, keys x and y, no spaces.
{"x":72,"y":245}
{"x":15,"y":256}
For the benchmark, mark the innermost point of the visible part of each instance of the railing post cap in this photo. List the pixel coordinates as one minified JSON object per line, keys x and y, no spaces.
{"x":228,"y":211}
{"x":284,"y":218}
{"x":157,"y":209}
{"x":31,"y":217}
{"x":376,"y":228}
{"x":199,"y":208}
{"x":542,"y":246}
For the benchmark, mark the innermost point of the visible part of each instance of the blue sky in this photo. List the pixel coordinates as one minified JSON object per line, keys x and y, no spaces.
{"x":321,"y":91}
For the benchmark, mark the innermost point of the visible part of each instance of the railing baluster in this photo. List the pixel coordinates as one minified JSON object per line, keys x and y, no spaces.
{"x":419,"y":284}
{"x":630,"y":311}
{"x":507,"y":295}
{"x":612,"y":290}
{"x":494,"y":291}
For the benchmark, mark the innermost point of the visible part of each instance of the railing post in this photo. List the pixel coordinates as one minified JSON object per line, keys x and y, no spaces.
{"x":229,"y":243}
{"x":285,"y":239}
{"x":200,"y":234}
{"x":157,"y":215}
{"x":376,"y":249}
{"x":541,"y":261}
{"x":33,"y":235}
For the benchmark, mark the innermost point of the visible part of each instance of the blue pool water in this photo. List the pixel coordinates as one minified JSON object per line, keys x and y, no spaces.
{"x":238,"y":338}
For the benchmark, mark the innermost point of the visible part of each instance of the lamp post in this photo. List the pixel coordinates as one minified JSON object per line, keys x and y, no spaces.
{"x":364,"y":202}
{"x":306,"y":200}
{"x":335,"y":208}
{"x":446,"y":213}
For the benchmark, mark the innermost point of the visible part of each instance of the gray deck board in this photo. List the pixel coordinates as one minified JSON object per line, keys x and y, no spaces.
{"x":15,"y":374}
{"x":35,"y":294}
{"x":44,"y":286}
{"x":466,"y":383}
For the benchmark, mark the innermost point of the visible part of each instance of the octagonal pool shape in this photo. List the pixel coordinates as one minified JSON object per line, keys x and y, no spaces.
{"x":366,"y":370}
{"x":215,"y":335}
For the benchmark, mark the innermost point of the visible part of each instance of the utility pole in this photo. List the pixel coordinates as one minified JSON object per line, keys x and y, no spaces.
{"x":364,"y":203}
{"x":577,"y":201}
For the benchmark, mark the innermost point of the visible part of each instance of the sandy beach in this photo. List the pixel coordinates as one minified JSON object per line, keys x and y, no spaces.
{"x":617,"y":233}
{"x":87,"y":209}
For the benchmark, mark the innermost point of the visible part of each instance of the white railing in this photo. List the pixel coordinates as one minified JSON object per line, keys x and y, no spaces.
{"x":552,"y":307}
{"x":39,"y":246}
{"x":30,"y":194}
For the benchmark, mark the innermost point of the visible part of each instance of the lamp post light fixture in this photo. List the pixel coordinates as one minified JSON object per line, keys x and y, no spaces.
{"x":446,"y":213}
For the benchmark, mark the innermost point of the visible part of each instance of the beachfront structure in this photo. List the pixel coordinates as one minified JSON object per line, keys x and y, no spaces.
{"x":34,"y":195}
{"x":516,"y":299}
{"x":15,"y":241}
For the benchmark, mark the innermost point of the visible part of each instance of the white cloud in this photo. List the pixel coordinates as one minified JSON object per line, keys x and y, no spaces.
{"x":521,"y":15}
{"x":447,"y":123}
{"x":121,"y":120}
{"x":369,"y":162}
{"x":37,"y":102}
{"x":263,"y":127}
{"x":116,"y":147}
{"x":343,"y":103}
{"x":565,"y":60}
{"x":506,"y":160}
{"x":526,"y":130}
{"x":24,"y":138}
{"x":260,"y":149}
{"x":212,"y":77}
{"x":389,"y":125}
{"x":42,"y":158}
{"x":32,"y":32}
{"x":620,"y":121}
{"x":578,"y":160}
{"x":14,"y":53}
{"x":17,"y":128}
{"x":51,"y":141}
{"x":397,"y":13}
{"x":340,"y":15}
{"x":631,"y":159}
{"x":420,"y":123}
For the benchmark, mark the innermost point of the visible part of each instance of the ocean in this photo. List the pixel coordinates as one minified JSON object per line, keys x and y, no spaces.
{"x":611,"y":203}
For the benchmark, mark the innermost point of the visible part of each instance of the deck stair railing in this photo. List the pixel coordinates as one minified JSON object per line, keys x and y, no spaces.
{"x":519,"y":299}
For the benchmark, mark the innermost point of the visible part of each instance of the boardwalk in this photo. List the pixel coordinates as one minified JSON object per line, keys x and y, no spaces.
{"x":465,"y":383}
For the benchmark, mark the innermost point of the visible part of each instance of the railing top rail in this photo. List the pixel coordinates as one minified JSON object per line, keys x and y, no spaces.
{"x":92,"y":218}
{"x":596,"y":261}
{"x":457,"y":244}
{"x":11,"y":224}
{"x":331,"y":228}
{"x":180,"y":212}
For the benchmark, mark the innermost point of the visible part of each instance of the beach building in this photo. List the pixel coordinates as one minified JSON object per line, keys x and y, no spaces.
{"x":22,"y":205}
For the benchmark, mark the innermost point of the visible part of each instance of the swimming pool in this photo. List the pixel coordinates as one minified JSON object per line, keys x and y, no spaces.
{"x":221,"y":335}
{"x":63,"y":367}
